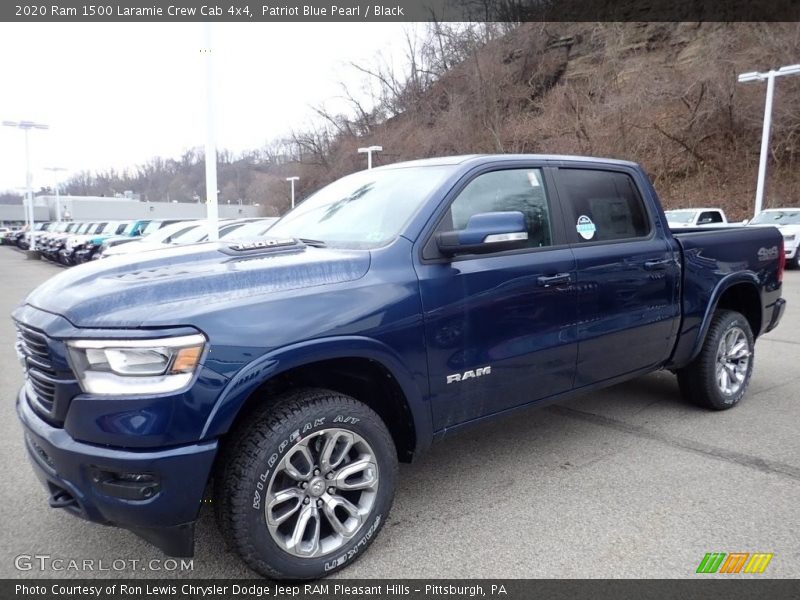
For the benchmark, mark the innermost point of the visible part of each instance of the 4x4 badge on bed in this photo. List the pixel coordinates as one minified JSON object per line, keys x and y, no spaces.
{"x":768,"y":253}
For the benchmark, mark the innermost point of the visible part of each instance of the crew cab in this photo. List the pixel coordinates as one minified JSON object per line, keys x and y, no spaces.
{"x":284,"y":377}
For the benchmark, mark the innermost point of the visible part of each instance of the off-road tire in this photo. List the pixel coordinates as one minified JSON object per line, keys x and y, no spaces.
{"x":698,"y":381}
{"x":250,"y":459}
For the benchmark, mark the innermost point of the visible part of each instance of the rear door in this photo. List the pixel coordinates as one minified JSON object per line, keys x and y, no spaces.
{"x":628,"y":274}
{"x":499,"y":334}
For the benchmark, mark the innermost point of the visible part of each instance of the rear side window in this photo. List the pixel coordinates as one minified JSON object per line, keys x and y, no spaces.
{"x":510,"y":190}
{"x":602,"y":206}
{"x":709,"y":216}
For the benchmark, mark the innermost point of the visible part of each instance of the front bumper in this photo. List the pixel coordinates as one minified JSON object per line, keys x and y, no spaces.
{"x":69,"y":470}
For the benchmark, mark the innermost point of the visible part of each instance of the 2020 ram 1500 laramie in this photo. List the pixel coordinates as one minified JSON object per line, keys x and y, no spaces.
{"x":285,"y":377}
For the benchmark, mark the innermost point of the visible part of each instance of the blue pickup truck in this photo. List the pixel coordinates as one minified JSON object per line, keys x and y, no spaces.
{"x":284,"y":378}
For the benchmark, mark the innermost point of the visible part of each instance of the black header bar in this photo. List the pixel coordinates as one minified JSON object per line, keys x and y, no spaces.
{"x":254,"y":11}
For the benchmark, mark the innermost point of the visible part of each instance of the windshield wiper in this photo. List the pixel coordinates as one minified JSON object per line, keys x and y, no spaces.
{"x":314,"y":243}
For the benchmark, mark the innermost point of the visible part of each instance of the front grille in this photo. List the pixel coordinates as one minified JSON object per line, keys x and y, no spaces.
{"x":33,"y":344}
{"x":49,"y":384}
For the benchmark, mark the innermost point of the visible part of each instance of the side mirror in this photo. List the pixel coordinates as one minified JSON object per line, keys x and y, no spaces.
{"x":486,"y":232}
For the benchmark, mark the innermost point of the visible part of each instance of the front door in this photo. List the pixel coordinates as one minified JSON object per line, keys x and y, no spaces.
{"x":500,"y":331}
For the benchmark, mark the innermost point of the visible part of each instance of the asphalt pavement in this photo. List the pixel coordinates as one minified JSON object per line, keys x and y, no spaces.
{"x":626,"y":482}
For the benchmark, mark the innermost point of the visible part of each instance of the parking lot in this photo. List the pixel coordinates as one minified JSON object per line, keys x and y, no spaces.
{"x":627,"y":482}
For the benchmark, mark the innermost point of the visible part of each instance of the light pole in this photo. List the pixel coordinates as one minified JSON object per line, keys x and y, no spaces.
{"x":54,"y":171}
{"x":212,"y":207}
{"x":292,"y":180}
{"x":762,"y":162}
{"x":369,"y":150}
{"x":26,"y":126}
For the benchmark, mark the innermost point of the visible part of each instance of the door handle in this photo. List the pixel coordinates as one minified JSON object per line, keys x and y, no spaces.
{"x":551,"y":280}
{"x":654,"y":265}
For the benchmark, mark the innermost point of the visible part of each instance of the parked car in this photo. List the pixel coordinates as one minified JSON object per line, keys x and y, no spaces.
{"x":48,"y":242}
{"x":57,"y":241}
{"x":166,"y":237}
{"x":86,"y":250}
{"x":9,"y":237}
{"x":39,"y":229}
{"x":389,"y":309}
{"x":695,"y":217}
{"x":201,"y":232}
{"x":787,"y":220}
{"x":144,"y":230}
{"x":248,"y":231}
{"x":74,"y":242}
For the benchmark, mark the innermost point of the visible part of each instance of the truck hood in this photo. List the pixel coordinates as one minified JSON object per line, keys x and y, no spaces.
{"x":168,"y":287}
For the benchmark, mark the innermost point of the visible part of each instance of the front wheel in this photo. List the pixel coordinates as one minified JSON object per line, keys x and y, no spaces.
{"x":306,"y":485}
{"x":718,"y":377}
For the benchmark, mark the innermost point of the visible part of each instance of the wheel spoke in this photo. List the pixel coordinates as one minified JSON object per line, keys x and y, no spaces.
{"x":299,"y":463}
{"x":739,"y":350}
{"x":305,"y":537}
{"x":725,"y":380}
{"x":354,"y":516}
{"x":360,"y":474}
{"x":282,"y":501}
{"x":336,"y":447}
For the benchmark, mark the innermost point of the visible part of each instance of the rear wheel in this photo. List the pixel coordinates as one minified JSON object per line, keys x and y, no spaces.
{"x":307,"y":485}
{"x":718,"y":377}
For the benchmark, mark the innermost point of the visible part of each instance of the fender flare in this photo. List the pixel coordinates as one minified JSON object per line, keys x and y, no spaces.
{"x":723,"y":286}
{"x":283,"y":359}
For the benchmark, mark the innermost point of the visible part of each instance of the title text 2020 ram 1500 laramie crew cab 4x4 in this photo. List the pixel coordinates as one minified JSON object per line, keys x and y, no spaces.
{"x":287,"y":376}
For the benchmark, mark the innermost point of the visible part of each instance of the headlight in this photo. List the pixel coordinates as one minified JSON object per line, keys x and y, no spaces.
{"x":788,"y":238}
{"x":129,"y":367}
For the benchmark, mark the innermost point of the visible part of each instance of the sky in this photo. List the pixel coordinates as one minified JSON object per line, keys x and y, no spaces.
{"x":116,"y":95}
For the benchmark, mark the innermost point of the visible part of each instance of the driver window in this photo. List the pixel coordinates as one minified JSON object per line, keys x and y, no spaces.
{"x":514,"y":189}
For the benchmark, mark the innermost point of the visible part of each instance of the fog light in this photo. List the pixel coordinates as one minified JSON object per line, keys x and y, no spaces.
{"x":126,"y":485}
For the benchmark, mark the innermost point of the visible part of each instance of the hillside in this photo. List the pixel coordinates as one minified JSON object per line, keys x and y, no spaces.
{"x":663,"y":94}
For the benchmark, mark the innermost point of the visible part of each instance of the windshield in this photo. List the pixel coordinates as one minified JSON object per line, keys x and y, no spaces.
{"x":365,"y":210}
{"x":109,"y":227}
{"x":680,"y":216}
{"x":151,"y":227}
{"x":249,"y":230}
{"x":778,"y":217}
{"x":128,"y":230}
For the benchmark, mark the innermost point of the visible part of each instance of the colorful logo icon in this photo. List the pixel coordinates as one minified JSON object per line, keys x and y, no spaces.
{"x":735,"y":562}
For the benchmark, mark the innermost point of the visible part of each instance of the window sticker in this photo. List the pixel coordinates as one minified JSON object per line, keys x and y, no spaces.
{"x":585,"y":227}
{"x":533,"y":178}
